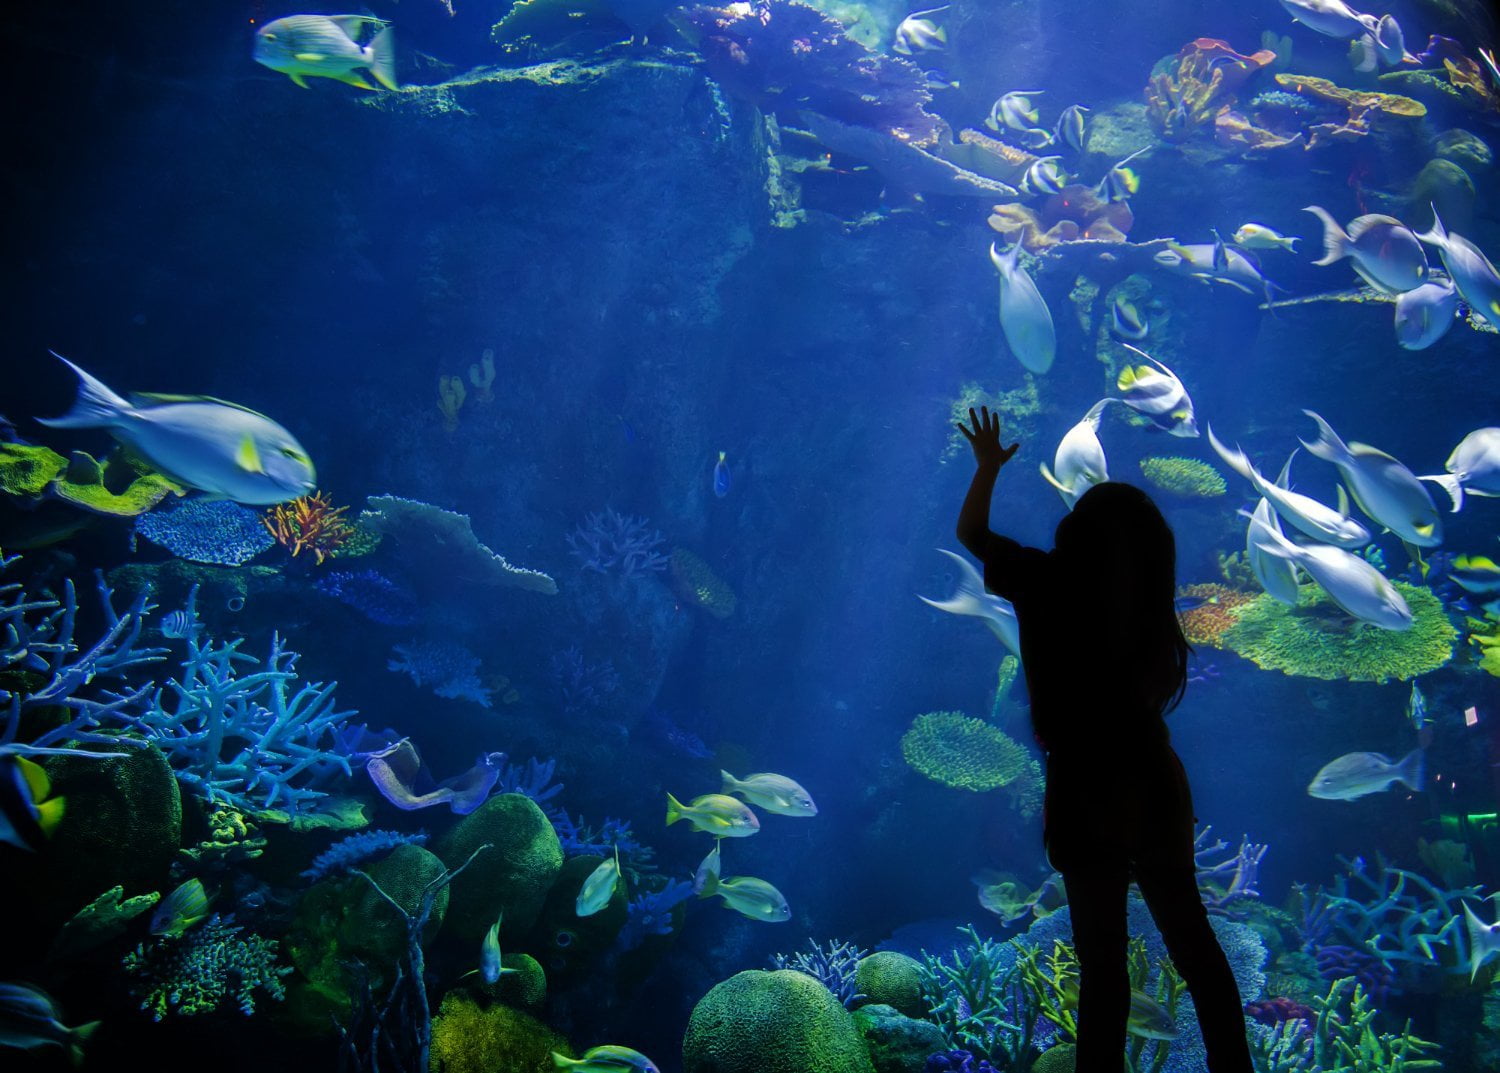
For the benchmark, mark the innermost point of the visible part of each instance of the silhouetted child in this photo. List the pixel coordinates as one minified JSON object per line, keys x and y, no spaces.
{"x":1105,"y":660}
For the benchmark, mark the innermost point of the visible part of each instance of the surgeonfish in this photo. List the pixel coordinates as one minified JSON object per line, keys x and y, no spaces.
{"x":1332,"y":18}
{"x":327,"y":46}
{"x":600,"y":886}
{"x":722,"y":478}
{"x":715,"y":814}
{"x":30,"y":1020}
{"x":1381,"y":486}
{"x":1478,"y":574}
{"x":1013,"y":111}
{"x":1471,"y":271}
{"x":607,"y":1059}
{"x":1126,"y":322}
{"x":1424,"y":314}
{"x":1381,"y":249}
{"x":748,"y":896}
{"x":1158,"y":394}
{"x":1473,"y":467}
{"x":180,"y":911}
{"x":1197,"y":261}
{"x":1416,"y":708}
{"x":1079,"y":461}
{"x":1390,"y":42}
{"x":921,"y":31}
{"x":1305,"y":513}
{"x":1484,"y":939}
{"x":1024,"y":317}
{"x":1276,"y":575}
{"x":774,"y":793}
{"x":971,"y":598}
{"x":1357,"y":774}
{"x":213,"y":446}
{"x":1349,"y":580}
{"x":1072,"y":127}
{"x":708,"y":869}
{"x":29,"y":814}
{"x":1119,"y":182}
{"x":1253,"y":236}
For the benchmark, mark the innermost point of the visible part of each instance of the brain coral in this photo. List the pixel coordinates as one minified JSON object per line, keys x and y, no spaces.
{"x":890,"y":978}
{"x":772,"y":1022}
{"x":967,"y":754}
{"x":1185,"y":477}
{"x":1316,"y":639}
{"x":512,"y":876}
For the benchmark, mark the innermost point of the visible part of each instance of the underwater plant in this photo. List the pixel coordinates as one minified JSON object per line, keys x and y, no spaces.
{"x":1226,"y":882}
{"x":835,"y":966}
{"x":193,"y":973}
{"x":206,"y":531}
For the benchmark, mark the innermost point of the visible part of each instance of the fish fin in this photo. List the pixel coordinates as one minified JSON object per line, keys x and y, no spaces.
{"x":49,"y":814}
{"x":1414,"y":553}
{"x":1096,"y":411}
{"x":382,"y":52}
{"x":310,"y":57}
{"x":1482,"y":942}
{"x":1412,"y":769}
{"x":297,"y":78}
{"x":1449,"y":483}
{"x":77,"y":1038}
{"x":1292,"y":240}
{"x":1327,"y":446}
{"x":1233,"y":457}
{"x":35,"y":776}
{"x":674,"y":810}
{"x":1343,"y":501}
{"x":967,"y":599}
{"x":1370,"y":281}
{"x":562,"y":1061}
{"x":1437,"y":234}
{"x":247,"y":457}
{"x":352,"y":79}
{"x":1335,"y":242}
{"x":355,"y":24}
{"x":1126,"y":378}
{"x":97,"y":406}
{"x":1005,"y":262}
{"x":1284,"y":478}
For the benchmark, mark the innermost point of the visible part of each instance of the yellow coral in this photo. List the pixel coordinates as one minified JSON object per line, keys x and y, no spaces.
{"x":695,"y":583}
{"x":964,"y":753}
{"x":1186,"y":477}
{"x":469,"y":1038}
{"x":451,"y":395}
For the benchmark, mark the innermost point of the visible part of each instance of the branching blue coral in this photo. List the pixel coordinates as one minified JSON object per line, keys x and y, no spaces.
{"x":978,"y":1001}
{"x":611,"y":542}
{"x":449,"y":669}
{"x":533,"y":780}
{"x":651,"y":913}
{"x":580,"y":839}
{"x":834,"y":966}
{"x":194,"y":973}
{"x":349,"y":853}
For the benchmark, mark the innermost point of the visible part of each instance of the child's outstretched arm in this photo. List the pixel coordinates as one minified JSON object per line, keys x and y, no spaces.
{"x":983,"y":434}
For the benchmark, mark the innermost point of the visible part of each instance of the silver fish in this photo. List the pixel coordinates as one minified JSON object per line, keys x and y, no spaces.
{"x":1382,"y":487}
{"x":30,"y":1020}
{"x":1197,"y":261}
{"x":1416,"y":708}
{"x":1424,"y":314}
{"x":1473,"y":467}
{"x":1276,"y":575}
{"x":1126,"y":321}
{"x":327,"y":46}
{"x":774,"y":793}
{"x":1316,"y":519}
{"x":1079,"y":462}
{"x":1354,"y":775}
{"x":1349,"y":580}
{"x":1471,"y":271}
{"x":971,"y":598}
{"x":1253,"y":236}
{"x":1024,"y":317}
{"x":1383,"y":250}
{"x":1333,"y":18}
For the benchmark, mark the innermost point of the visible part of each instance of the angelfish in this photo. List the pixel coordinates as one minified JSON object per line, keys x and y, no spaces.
{"x":600,"y":886}
{"x":1024,"y":316}
{"x":1157,"y":394}
{"x":1079,"y":462}
{"x":1384,"y":488}
{"x":211,"y":445}
{"x":327,"y":46}
{"x":1473,"y":467}
{"x":921,"y":32}
{"x":971,"y":598}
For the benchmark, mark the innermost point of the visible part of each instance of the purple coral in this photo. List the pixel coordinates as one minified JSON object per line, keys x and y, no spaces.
{"x":533,"y":780}
{"x":582,"y":685}
{"x":651,"y":913}
{"x":610,"y":542}
{"x":206,"y":531}
{"x":449,"y":669}
{"x":1230,"y":880}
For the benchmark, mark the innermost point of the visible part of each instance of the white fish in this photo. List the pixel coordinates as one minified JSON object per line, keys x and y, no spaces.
{"x":1072,"y":128}
{"x":921,"y":31}
{"x":1390,"y":42}
{"x":1472,"y":273}
{"x":1197,"y":261}
{"x":1383,"y":250}
{"x":1382,"y":487}
{"x":1119,"y":182}
{"x":1317,"y":520}
{"x":1079,"y":461}
{"x":327,"y":46}
{"x":1333,"y":18}
{"x":1276,"y":575}
{"x":970,"y":598}
{"x":1357,"y":774}
{"x":1348,"y":579}
{"x":1126,"y":321}
{"x":211,"y":445}
{"x":600,"y":886}
{"x":1473,"y":467}
{"x":1158,"y":394}
{"x":1424,"y":314}
{"x":1484,"y":939}
{"x":1024,"y":316}
{"x":774,"y":793}
{"x":1044,"y":176}
{"x":1253,"y":236}
{"x":1014,"y":110}
{"x":749,"y":896}
{"x":708,"y":869}
{"x":491,"y":964}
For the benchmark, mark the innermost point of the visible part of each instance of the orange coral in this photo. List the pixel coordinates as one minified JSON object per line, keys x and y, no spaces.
{"x":309,"y":523}
{"x":1075,"y":212}
{"x":1187,"y":91}
{"x":1206,"y":623}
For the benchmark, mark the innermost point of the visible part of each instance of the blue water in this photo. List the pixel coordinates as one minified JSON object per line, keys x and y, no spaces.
{"x":677,"y":242}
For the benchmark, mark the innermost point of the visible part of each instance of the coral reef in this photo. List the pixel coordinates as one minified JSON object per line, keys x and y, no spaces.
{"x":964,"y":753}
{"x":897,"y":1043}
{"x":1484,"y":635}
{"x":651,"y":913}
{"x":835,"y":966}
{"x":696,"y":584}
{"x":1316,"y":639}
{"x":1343,"y":1038}
{"x":233,"y":839}
{"x":194,"y":973}
{"x":372,"y":594}
{"x":1225,"y":883}
{"x":513,"y":878}
{"x":309,"y":523}
{"x":1018,"y":408}
{"x":772,"y":1022}
{"x":433,"y":535}
{"x":119,"y":486}
{"x":1074,"y":213}
{"x":979,"y":1003}
{"x":470,"y":1038}
{"x":610,"y":542}
{"x":449,"y":669}
{"x":571,"y":945}
{"x":206,"y":531}
{"x":580,"y":685}
{"x":354,"y":850}
{"x":102,"y":920}
{"x":27,"y":469}
{"x":532,"y":779}
{"x":1205,"y":623}
{"x":1188,"y":478}
{"x":1365,"y":111}
{"x":890,"y":978}
{"x":1187,"y":91}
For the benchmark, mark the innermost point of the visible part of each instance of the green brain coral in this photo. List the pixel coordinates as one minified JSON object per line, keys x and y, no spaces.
{"x":1316,"y":639}
{"x":889,"y":978}
{"x":967,"y":754}
{"x":1185,"y":477}
{"x":772,"y":1022}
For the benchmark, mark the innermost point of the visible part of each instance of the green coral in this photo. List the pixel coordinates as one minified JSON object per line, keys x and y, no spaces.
{"x":964,"y":753}
{"x":1185,"y":477}
{"x":1316,"y":639}
{"x":971,"y":994}
{"x":193,"y":974}
{"x":522,"y":985}
{"x":27,"y":469}
{"x":119,"y":486}
{"x":513,"y":878}
{"x":1484,"y":635}
{"x":1344,"y":1040}
{"x":897,"y":1043}
{"x":470,"y":1038}
{"x":1017,"y":409}
{"x":573,"y":944}
{"x":772,"y":1022}
{"x":103,"y":919}
{"x":890,"y":978}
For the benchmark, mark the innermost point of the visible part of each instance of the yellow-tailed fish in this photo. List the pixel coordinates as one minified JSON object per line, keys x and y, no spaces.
{"x":600,"y":886}
{"x":714,"y":814}
{"x":607,"y":1059}
{"x":1472,"y":273}
{"x":1384,"y":489}
{"x":208,"y":444}
{"x":774,"y":793}
{"x":180,"y":910}
{"x":1254,"y":236}
{"x":1004,"y":897}
{"x":1149,"y":1019}
{"x":327,"y":46}
{"x":1424,"y":314}
{"x":1382,"y":250}
{"x":748,"y":896}
{"x":28,"y":812}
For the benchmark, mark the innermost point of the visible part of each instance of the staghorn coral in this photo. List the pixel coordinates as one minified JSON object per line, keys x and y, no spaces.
{"x":206,"y":531}
{"x":580,"y":684}
{"x":1075,"y":213}
{"x":964,"y":753}
{"x":835,"y":966}
{"x":978,"y":1001}
{"x":650,"y":913}
{"x":1206,"y":623}
{"x":1344,"y":1038}
{"x":308,"y":523}
{"x":696,"y":584}
{"x":194,"y":973}
{"x":1225,"y":883}
{"x":1188,"y":478}
{"x":611,"y":542}
{"x":1316,"y":639}
{"x":1187,"y":91}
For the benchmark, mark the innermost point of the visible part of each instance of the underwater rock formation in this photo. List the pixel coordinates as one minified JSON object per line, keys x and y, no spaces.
{"x":897,"y":1043}
{"x":772,"y":1022}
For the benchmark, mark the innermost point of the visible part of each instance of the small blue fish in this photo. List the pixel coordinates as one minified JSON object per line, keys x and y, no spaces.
{"x":178,"y":625}
{"x":180,"y":910}
{"x":722,"y":479}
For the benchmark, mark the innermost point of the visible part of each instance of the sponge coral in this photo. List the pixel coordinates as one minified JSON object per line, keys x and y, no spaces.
{"x":1317,"y":640}
{"x":772,"y":1022}
{"x":1185,"y":477}
{"x":967,"y":754}
{"x":469,"y":1038}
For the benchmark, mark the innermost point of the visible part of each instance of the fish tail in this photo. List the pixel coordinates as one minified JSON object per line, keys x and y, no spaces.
{"x":1233,"y":457}
{"x":967,"y":599}
{"x":1483,"y":941}
{"x":1449,"y":483}
{"x":731,"y":784}
{"x":1437,"y":234}
{"x":1413,"y":768}
{"x":674,"y":810}
{"x":1291,"y":242}
{"x":1327,"y":446}
{"x":1335,"y":241}
{"x":76,"y":1039}
{"x":1005,"y":262}
{"x":97,"y":405}
{"x":382,"y":55}
{"x":562,"y":1061}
